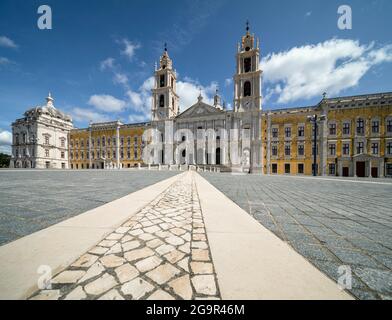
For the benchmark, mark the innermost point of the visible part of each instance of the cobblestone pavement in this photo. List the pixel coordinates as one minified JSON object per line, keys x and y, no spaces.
{"x":31,"y":200}
{"x":330,"y":222}
{"x":161,"y":253}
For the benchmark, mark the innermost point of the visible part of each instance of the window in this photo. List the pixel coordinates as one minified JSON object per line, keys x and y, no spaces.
{"x":122,"y":141}
{"x":135,"y":140}
{"x":287,"y":168}
{"x":287,"y":150}
{"x":346,"y":128}
{"x":360,"y":126}
{"x":135,"y":154}
{"x":82,"y":143}
{"x":346,"y":149}
{"x":114,"y":154}
{"x":332,"y":129}
{"x":332,"y":169}
{"x":129,"y":141}
{"x":301,"y":150}
{"x":301,"y":131}
{"x":82,"y":155}
{"x":71,"y":155}
{"x":24,"y":138}
{"x":128,"y":154}
{"x":360,"y":148}
{"x":389,"y":148}
{"x":46,"y":139}
{"x":274,"y":168}
{"x":375,"y":148}
{"x":162,"y":80}
{"x":332,"y":149}
{"x":122,"y":154}
{"x":98,"y":142}
{"x":62,"y":165}
{"x":17,"y":139}
{"x":247,"y":64}
{"x":287,"y":132}
{"x":275,"y":132}
{"x":92,"y":141}
{"x":389,"y":126}
{"x":274,"y":150}
{"x":247,"y":89}
{"x":161,"y":100}
{"x":389,"y":169}
{"x":62,"y":154}
{"x":103,"y":141}
{"x":47,"y":153}
{"x":71,"y":144}
{"x":375,"y":126}
{"x":300,"y":168}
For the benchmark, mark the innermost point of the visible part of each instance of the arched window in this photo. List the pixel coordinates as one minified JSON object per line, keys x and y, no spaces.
{"x":162,"y":100}
{"x":247,"y":64}
{"x":247,"y":89}
{"x":173,"y":102}
{"x":162,"y":80}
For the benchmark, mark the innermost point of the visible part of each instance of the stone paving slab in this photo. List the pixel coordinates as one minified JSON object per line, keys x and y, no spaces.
{"x":31,"y":200}
{"x":331,"y":222}
{"x":57,"y":246}
{"x":162,"y":252}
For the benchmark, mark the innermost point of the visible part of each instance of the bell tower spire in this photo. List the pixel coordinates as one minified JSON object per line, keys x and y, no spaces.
{"x":247,"y":80}
{"x":165,"y":101}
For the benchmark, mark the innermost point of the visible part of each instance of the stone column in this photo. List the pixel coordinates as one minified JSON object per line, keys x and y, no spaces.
{"x":89,"y":147}
{"x":370,"y":168}
{"x":268,"y":143}
{"x":118,"y":145}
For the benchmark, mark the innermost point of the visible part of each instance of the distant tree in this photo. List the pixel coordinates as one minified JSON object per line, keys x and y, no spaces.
{"x":4,"y":160}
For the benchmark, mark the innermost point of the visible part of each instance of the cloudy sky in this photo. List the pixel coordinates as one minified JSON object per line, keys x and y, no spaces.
{"x":99,"y":57}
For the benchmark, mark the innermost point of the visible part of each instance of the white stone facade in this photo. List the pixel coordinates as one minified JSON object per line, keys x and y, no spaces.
{"x":209,"y":134}
{"x":40,"y":139}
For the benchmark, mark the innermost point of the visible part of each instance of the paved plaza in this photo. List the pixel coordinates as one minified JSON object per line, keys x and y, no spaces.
{"x":161,"y":253}
{"x":331,"y":222}
{"x":31,"y":200}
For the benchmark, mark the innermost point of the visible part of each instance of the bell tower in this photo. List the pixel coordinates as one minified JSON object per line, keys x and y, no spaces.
{"x":164,"y":97}
{"x":247,"y":80}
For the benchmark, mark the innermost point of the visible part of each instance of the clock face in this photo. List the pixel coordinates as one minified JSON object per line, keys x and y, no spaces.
{"x":161,"y":114}
{"x":247,"y":104}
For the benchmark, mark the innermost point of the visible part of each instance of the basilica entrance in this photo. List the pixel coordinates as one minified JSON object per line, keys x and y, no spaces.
{"x":218,"y":156}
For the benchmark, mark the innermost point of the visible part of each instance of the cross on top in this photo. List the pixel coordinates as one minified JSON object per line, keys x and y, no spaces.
{"x":247,"y":25}
{"x":165,"y":46}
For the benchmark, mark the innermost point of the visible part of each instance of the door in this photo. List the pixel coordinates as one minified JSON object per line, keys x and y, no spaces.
{"x":374,"y":172}
{"x":360,"y":169}
{"x":345,"y":172}
{"x":218,"y":156}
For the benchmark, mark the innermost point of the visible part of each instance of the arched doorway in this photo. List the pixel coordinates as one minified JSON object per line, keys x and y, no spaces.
{"x":218,"y":156}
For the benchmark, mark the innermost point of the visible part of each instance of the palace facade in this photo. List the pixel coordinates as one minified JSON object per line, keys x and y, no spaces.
{"x":353,"y":138}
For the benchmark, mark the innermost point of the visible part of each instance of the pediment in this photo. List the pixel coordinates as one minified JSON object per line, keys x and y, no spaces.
{"x":199,"y":109}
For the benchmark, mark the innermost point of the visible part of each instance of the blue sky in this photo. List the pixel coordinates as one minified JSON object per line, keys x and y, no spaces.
{"x":99,"y":57}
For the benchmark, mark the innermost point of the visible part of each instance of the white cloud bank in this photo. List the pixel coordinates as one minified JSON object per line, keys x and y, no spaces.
{"x":332,"y":66}
{"x":82,"y":114}
{"x":5,"y":138}
{"x":106,"y":103}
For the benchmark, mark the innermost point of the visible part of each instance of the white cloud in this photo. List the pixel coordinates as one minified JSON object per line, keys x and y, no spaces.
{"x":7,"y":42}
{"x":80,"y":114}
{"x":308,"y":71}
{"x":228,"y":82}
{"x":308,"y":14}
{"x":106,"y":103}
{"x":189,"y":90}
{"x":5,"y":138}
{"x":136,"y":118}
{"x":120,"y":78}
{"x":107,"y":64}
{"x":129,"y":48}
{"x":140,"y":100}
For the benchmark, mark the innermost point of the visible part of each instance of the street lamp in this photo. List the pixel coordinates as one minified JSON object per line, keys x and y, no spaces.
{"x":315,"y":120}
